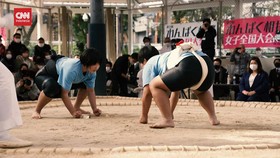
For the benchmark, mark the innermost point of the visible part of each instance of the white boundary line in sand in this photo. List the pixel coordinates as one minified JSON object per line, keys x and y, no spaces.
{"x":89,"y":151}
{"x":130,"y":101}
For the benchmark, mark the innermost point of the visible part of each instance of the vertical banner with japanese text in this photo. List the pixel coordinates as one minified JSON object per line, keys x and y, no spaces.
{"x":252,"y":32}
{"x":186,"y":31}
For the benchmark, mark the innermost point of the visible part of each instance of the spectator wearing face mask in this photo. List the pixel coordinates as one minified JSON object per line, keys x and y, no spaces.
{"x":24,"y":58}
{"x":254,"y":85}
{"x":22,"y":70}
{"x":16,"y":46}
{"x":40,"y":49}
{"x":147,"y":41}
{"x":166,"y":46}
{"x":8,"y":61}
{"x":274,"y":79}
{"x":109,"y":66}
{"x":220,"y":72}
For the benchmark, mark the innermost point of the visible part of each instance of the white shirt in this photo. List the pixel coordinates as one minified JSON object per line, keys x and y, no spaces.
{"x":251,"y":79}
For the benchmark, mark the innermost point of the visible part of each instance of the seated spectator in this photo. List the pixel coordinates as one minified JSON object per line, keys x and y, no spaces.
{"x":254,"y":85}
{"x":22,"y":70}
{"x":220,"y":72}
{"x":40,"y":50}
{"x":220,"y":78}
{"x":109,"y":66}
{"x":25,"y":87}
{"x":9,"y":61}
{"x":274,"y":78}
{"x":24,"y":58}
{"x":16,"y":46}
{"x":2,"y":51}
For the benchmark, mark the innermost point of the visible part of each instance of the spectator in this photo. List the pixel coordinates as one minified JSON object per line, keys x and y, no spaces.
{"x":22,"y":70}
{"x":16,"y":46}
{"x":220,"y":78}
{"x":239,"y":58}
{"x":220,"y":72}
{"x":9,"y":62}
{"x":9,"y":111}
{"x":2,"y":51}
{"x":40,"y":50}
{"x":132,"y":72}
{"x":254,"y":85}
{"x":25,"y":87}
{"x":207,"y":34}
{"x":259,"y":52}
{"x":166,"y":46}
{"x":274,"y":79}
{"x":109,"y":66}
{"x":147,"y":41}
{"x":61,"y":74}
{"x":24,"y":58}
{"x":120,"y":75}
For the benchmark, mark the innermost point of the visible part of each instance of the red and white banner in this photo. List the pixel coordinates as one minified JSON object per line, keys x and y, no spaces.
{"x":252,"y":32}
{"x":186,"y":31}
{"x":22,"y":16}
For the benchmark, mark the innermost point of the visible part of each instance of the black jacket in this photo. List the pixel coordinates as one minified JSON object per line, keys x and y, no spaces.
{"x":208,"y":42}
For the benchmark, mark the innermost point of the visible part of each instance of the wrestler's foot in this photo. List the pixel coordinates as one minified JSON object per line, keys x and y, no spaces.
{"x":214,"y":121}
{"x":163,"y":124}
{"x":143,"y":120}
{"x":36,"y":115}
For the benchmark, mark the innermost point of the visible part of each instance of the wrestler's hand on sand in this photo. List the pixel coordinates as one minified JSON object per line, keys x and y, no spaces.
{"x":97,"y":112}
{"x":77,"y":114}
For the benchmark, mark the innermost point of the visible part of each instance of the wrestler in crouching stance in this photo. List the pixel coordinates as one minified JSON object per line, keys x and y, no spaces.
{"x":184,"y":67}
{"x":61,"y":74}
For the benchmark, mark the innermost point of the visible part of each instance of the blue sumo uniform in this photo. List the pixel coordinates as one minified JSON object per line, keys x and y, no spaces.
{"x":70,"y":72}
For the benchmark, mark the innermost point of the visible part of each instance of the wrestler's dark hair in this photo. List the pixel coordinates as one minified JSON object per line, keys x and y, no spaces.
{"x":134,"y":56}
{"x":90,"y":57}
{"x":146,"y":53}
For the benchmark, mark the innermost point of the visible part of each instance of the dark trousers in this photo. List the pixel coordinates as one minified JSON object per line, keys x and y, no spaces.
{"x":119,"y":86}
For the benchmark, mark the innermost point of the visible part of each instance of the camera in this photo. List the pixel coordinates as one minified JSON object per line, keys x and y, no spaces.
{"x":27,"y":82}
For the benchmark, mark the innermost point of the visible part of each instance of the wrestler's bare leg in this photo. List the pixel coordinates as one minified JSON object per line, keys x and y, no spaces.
{"x":146,"y":104}
{"x":206,"y":101}
{"x":82,"y":94}
{"x":43,"y":100}
{"x":173,"y":101}
{"x":159,"y":92}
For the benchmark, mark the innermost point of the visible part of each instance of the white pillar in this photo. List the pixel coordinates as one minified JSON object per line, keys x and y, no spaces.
{"x":130,"y":30}
{"x":39,"y":18}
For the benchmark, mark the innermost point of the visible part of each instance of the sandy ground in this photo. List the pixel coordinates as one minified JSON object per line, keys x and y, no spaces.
{"x":118,"y":126}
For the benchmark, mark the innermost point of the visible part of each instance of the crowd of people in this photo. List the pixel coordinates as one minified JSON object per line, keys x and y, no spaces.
{"x":16,"y":57}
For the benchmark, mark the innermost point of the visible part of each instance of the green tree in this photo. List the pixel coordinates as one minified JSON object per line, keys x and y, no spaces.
{"x":80,"y":30}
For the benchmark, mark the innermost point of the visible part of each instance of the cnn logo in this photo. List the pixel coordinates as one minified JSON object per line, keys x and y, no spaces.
{"x":23,"y":15}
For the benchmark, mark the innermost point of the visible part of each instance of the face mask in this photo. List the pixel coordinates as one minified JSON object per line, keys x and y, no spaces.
{"x":108,"y":69}
{"x":239,"y":51}
{"x":17,"y":40}
{"x":253,"y":67}
{"x":9,"y":56}
{"x":217,"y":67}
{"x":147,"y":43}
{"x":41,"y":44}
{"x":48,"y":57}
{"x":277,"y":65}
